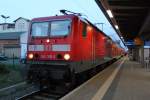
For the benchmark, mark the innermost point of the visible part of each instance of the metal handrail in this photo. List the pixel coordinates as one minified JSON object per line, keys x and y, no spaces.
{"x":147,"y":64}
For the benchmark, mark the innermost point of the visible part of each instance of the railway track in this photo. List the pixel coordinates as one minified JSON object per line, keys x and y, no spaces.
{"x":17,"y":90}
{"x":42,"y":95}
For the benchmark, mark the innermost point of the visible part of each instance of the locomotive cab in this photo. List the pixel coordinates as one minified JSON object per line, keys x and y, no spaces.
{"x":50,"y":40}
{"x":49,"y":49}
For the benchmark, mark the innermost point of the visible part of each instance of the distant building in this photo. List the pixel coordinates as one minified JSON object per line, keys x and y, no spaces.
{"x":13,"y":38}
{"x":22,"y":24}
{"x":6,"y":26}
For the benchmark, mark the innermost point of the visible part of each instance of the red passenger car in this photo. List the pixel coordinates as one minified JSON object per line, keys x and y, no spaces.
{"x":60,"y":47}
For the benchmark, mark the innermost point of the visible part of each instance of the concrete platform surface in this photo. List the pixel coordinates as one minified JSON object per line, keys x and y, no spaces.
{"x":131,"y":83}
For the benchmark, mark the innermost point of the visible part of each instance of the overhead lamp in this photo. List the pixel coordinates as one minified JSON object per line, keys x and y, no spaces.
{"x":110,"y":13}
{"x":116,"y":26}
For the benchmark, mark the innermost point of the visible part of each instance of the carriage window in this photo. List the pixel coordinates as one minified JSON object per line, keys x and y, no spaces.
{"x":40,"y":29}
{"x":60,"y":28}
{"x":84,"y":32}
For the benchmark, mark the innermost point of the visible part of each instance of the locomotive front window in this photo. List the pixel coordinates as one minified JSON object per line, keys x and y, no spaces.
{"x":60,"y":28}
{"x":40,"y":29}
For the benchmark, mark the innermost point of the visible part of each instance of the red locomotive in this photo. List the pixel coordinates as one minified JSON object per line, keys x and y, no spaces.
{"x":60,"y":47}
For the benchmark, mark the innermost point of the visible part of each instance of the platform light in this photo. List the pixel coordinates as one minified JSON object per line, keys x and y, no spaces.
{"x":116,"y":26}
{"x":110,"y":13}
{"x":66,"y":56}
{"x":30,"y":56}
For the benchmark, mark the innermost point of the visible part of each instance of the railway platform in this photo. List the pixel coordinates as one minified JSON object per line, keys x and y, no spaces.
{"x":123,"y":80}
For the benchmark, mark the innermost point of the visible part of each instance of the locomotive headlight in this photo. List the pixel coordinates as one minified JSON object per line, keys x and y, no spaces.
{"x":30,"y":56}
{"x":47,"y":40}
{"x":66,"y":56}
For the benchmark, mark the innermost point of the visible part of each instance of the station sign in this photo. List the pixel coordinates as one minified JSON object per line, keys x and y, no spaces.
{"x":147,"y":43}
{"x":129,"y":43}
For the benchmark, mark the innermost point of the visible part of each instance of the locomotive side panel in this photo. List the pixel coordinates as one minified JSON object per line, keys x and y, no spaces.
{"x":100,"y":44}
{"x":82,"y":46}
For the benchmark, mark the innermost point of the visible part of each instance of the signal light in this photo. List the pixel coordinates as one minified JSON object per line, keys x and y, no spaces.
{"x":66,"y":56}
{"x":30,"y":56}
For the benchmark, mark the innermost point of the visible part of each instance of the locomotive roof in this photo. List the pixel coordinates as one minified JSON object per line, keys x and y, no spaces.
{"x":53,"y":17}
{"x":69,"y":16}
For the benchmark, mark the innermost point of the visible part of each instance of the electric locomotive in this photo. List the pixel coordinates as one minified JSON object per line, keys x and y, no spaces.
{"x":61,"y":47}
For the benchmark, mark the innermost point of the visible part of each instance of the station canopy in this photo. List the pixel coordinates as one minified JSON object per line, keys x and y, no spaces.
{"x":131,"y":16}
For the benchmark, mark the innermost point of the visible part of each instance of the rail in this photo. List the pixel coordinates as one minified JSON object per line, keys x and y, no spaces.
{"x":42,"y":95}
{"x":15,"y":91}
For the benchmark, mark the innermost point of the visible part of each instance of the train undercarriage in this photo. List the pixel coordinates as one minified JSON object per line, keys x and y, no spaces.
{"x":50,"y":75}
{"x":60,"y":75}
